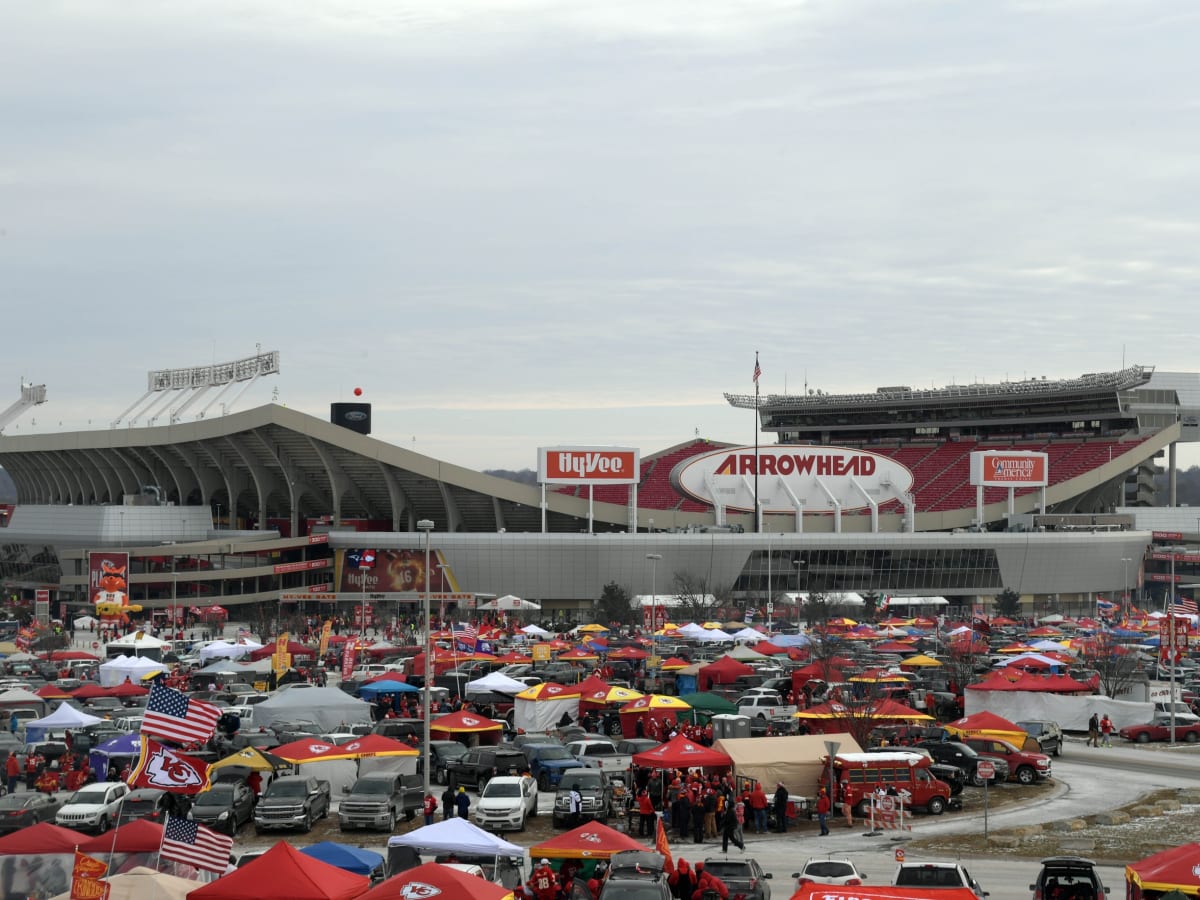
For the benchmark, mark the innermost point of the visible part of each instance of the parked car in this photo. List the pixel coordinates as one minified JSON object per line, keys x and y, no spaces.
{"x":951,"y":775}
{"x":637,"y":874}
{"x":927,"y":875}
{"x":93,"y":807}
{"x":293,"y":801}
{"x":1187,"y":728}
{"x":956,"y":753}
{"x":441,"y":754}
{"x":479,"y":764}
{"x":1046,"y":734}
{"x":152,"y":804}
{"x":742,"y":876}
{"x":1024,"y":766}
{"x":1068,"y":876}
{"x":377,"y":801}
{"x":547,"y":762}
{"x":226,"y":807}
{"x":506,"y":803}
{"x":822,"y":870}
{"x":28,"y":808}
{"x":602,"y":754}
{"x":595,"y":793}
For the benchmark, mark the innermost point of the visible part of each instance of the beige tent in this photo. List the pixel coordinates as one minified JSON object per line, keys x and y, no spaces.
{"x":795,"y":760}
{"x":141,"y":883}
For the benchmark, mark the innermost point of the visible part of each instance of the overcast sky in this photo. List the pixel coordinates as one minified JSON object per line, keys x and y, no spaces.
{"x":526,"y":222}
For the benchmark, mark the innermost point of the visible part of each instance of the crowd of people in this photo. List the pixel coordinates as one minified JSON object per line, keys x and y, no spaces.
{"x":687,"y":882}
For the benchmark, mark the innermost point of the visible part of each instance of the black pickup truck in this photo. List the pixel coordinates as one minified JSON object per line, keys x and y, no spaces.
{"x":294,"y":801}
{"x":377,"y":801}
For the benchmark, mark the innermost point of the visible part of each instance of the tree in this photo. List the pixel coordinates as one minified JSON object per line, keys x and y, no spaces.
{"x":1117,"y":666}
{"x":871,"y":601}
{"x":615,"y":604}
{"x":696,"y":600}
{"x":1008,"y":603}
{"x":816,"y":610}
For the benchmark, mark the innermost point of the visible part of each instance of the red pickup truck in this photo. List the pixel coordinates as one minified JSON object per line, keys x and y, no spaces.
{"x":1023,"y":766}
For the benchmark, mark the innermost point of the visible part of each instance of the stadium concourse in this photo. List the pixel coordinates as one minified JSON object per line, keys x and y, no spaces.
{"x":893,"y":492}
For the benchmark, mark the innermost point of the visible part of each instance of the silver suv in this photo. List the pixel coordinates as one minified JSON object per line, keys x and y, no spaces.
{"x":1046,"y":734}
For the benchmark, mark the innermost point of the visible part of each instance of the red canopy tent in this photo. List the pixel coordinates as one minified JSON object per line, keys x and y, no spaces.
{"x":591,"y":840}
{"x":138,"y":836}
{"x":1051,"y":684}
{"x":682,"y":753}
{"x":126,"y":689}
{"x":40,"y":838}
{"x":812,"y":891}
{"x":725,"y":670}
{"x":89,"y":691}
{"x":284,"y":873}
{"x":445,"y":727}
{"x":1174,"y":869}
{"x":433,"y":880}
{"x":52,"y":692}
{"x":293,"y":647}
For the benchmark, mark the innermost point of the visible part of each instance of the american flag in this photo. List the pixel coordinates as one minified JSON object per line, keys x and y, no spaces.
{"x":172,"y":716}
{"x":465,"y":633}
{"x":193,"y":844}
{"x":1183,"y":606}
{"x":757,"y":369}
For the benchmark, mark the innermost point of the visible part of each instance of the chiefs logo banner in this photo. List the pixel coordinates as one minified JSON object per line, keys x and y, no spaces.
{"x":85,"y":878}
{"x":168,"y":770}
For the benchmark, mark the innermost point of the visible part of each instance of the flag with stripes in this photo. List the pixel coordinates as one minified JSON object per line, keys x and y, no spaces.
{"x":172,"y":716}
{"x":1184,"y":607}
{"x":757,"y":369}
{"x":466,"y":634}
{"x":193,"y":844}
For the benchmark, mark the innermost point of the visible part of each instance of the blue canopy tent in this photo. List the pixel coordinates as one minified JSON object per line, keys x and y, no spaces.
{"x":101,"y":757}
{"x":388,"y":686}
{"x":351,"y":859}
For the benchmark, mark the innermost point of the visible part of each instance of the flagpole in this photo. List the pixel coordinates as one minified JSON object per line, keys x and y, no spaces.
{"x":757,"y":373}
{"x":158,"y":856}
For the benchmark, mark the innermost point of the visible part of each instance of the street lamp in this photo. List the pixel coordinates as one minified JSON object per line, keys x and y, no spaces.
{"x":654,"y":558}
{"x":426,"y":525}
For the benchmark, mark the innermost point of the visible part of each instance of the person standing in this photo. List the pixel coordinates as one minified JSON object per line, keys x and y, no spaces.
{"x":429,"y":808}
{"x":574,"y":806}
{"x":12,"y":769}
{"x":462,"y":803}
{"x":448,"y":803}
{"x":823,"y":806}
{"x":1106,"y":730}
{"x":646,"y":823}
{"x":781,"y":802}
{"x":544,"y":882}
{"x":1093,"y":731}
{"x":759,"y":803}
{"x":729,"y":829}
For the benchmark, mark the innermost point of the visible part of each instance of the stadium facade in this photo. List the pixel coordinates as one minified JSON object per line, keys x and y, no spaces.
{"x":847,"y":493}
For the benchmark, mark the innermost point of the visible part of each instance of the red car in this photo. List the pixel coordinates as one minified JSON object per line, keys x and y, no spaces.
{"x":1187,"y":728}
{"x":1023,"y":766}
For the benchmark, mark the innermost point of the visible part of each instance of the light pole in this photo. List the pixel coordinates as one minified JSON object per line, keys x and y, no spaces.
{"x":426,"y":526}
{"x":1125,"y":605}
{"x":654,"y":558}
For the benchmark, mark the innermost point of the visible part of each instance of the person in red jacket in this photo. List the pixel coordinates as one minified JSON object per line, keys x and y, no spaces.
{"x":759,"y":803}
{"x":544,"y":882}
{"x":429,"y":807}
{"x":646,"y":823}
{"x":823,"y":807}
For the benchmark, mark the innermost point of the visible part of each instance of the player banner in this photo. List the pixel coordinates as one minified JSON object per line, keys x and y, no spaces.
{"x":324,"y":646}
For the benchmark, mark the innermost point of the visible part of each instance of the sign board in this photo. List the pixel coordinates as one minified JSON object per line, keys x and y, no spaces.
{"x":788,"y":475}
{"x":1179,"y":625}
{"x":985,"y":769}
{"x":589,"y":465}
{"x":540,"y":652}
{"x":660,"y":618}
{"x":1009,"y":468}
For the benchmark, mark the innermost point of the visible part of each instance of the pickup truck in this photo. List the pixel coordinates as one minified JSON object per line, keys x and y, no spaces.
{"x":377,"y":801}
{"x":293,"y":801}
{"x":601,"y":755}
{"x":1024,"y":766}
{"x":768,"y":707}
{"x":547,"y":762}
{"x":933,"y":875}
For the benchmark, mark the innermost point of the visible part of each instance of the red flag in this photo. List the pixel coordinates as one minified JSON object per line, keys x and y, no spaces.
{"x":663,"y":846}
{"x":86,"y":883}
{"x":167,"y":769}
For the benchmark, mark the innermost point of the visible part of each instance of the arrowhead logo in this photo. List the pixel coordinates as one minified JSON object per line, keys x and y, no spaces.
{"x":419,"y":890}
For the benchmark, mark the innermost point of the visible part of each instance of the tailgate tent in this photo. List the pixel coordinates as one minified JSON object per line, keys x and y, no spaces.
{"x":64,"y":718}
{"x":328,"y":707}
{"x":141,"y":883}
{"x":455,"y":836}
{"x":1176,"y":869}
{"x":988,"y":724}
{"x":496,"y":683}
{"x":436,"y":880}
{"x":46,"y":853}
{"x":542,"y":707}
{"x":725,"y":670}
{"x":795,"y":760}
{"x":1070,"y":712}
{"x":591,"y":840}
{"x":682,"y":753}
{"x":124,"y":668}
{"x":284,"y":873}
{"x":351,"y":859}
{"x":812,"y":891}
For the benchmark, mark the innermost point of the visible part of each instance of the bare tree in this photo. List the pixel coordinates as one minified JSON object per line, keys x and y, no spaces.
{"x":1118,"y":668}
{"x":697,"y":601}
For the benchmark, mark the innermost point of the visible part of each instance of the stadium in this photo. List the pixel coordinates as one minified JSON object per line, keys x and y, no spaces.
{"x":886,"y":492}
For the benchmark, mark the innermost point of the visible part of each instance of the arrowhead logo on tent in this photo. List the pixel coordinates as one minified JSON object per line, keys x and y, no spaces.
{"x":419,"y":890}
{"x":318,"y":748}
{"x":467,"y":720}
{"x":352,"y":746}
{"x":553,"y":689}
{"x":591,"y":837}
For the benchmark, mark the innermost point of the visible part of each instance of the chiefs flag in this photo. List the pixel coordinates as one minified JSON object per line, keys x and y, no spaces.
{"x":85,"y":878}
{"x":663,"y":846}
{"x":166,"y":769}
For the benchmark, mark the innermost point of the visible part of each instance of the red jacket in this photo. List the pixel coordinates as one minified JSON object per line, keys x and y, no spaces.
{"x":758,"y":799}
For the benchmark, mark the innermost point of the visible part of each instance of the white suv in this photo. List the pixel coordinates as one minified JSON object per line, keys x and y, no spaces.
{"x":506,"y":802}
{"x":93,"y":808}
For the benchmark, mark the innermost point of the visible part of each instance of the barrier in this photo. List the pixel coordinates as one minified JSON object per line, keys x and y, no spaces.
{"x":888,"y":813}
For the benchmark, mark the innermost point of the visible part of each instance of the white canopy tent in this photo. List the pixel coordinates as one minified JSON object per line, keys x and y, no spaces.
{"x":117,"y":669}
{"x":712,"y":636}
{"x":509,"y":603}
{"x":23,"y":698}
{"x":455,"y":836}
{"x":749,"y":635}
{"x":498,"y":683}
{"x":84,"y":623}
{"x":535,"y":631}
{"x":65,"y":718}
{"x":227,"y":650}
{"x":139,"y":643}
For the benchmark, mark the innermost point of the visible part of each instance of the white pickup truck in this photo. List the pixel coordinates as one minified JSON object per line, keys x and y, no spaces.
{"x":769,"y":707}
{"x":598,"y":754}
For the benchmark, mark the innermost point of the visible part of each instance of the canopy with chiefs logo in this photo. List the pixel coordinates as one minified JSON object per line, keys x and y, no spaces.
{"x":310,"y":750}
{"x":810,"y":891}
{"x":433,"y":880}
{"x":589,"y":841}
{"x":377,"y":745}
{"x":463,"y":723}
{"x":542,"y":706}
